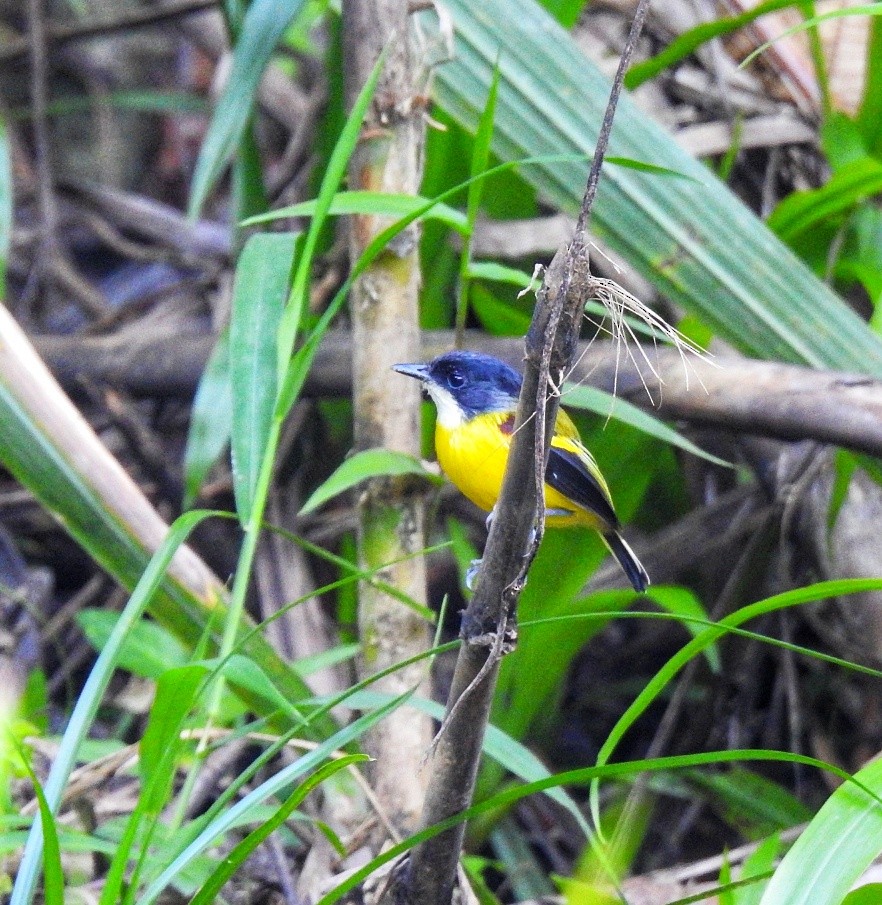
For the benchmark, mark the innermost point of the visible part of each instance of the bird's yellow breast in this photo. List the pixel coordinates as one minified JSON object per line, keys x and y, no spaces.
{"x":473,"y":455}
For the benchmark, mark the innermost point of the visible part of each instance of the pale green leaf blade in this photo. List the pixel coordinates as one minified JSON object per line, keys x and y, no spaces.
{"x":363,"y":202}
{"x":602,"y":403}
{"x":852,"y":183}
{"x":691,"y":237}
{"x":211,"y":419}
{"x":264,"y":24}
{"x":837,"y":846}
{"x":866,"y":9}
{"x":149,"y":649}
{"x":90,"y":698}
{"x":370,"y":463}
{"x":259,"y":295}
{"x":499,"y":273}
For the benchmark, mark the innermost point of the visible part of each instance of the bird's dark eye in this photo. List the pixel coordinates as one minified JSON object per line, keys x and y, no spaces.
{"x":455,"y":379}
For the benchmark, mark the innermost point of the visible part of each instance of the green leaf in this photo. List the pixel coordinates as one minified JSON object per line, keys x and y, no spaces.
{"x":224,"y":821}
{"x":683,"y":602}
{"x":602,"y":403}
{"x":259,"y":295}
{"x":801,"y":211}
{"x":499,"y":273}
{"x":234,"y":860}
{"x":296,"y":305}
{"x":871,"y":894}
{"x":53,"y":875}
{"x":264,"y":24}
{"x":675,"y":663}
{"x":245,"y":672}
{"x":689,"y":41}
{"x":149,"y":650}
{"x":211,"y":419}
{"x":363,"y":202}
{"x":867,"y":9}
{"x":691,"y":237}
{"x":566,"y":12}
{"x":90,"y":697}
{"x":589,"y":774}
{"x":842,"y":141}
{"x":752,"y":804}
{"x":758,"y":863}
{"x":176,"y":692}
{"x":869,"y":116}
{"x":370,"y":463}
{"x":837,"y":846}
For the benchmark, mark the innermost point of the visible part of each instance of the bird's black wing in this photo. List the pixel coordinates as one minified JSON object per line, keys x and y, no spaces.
{"x":568,"y":474}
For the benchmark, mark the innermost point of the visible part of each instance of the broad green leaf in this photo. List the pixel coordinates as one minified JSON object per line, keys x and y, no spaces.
{"x":211,"y":419}
{"x":752,"y":804}
{"x":148,"y":650}
{"x":176,"y":692}
{"x":263,"y":25}
{"x":243,"y":671}
{"x":325,"y":659}
{"x":758,"y":863}
{"x":871,"y":894}
{"x":479,"y":163}
{"x":866,"y":9}
{"x":691,"y":237}
{"x":602,"y":403}
{"x":842,"y":141}
{"x":801,"y":211}
{"x":363,"y":202}
{"x":566,"y":12}
{"x":259,"y":295}
{"x":370,"y":463}
{"x":837,"y":846}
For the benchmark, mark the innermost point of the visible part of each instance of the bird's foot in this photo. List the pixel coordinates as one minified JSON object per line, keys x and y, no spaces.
{"x":489,"y":520}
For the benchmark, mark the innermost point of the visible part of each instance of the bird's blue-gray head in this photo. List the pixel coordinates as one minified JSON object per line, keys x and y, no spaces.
{"x":465,"y":384}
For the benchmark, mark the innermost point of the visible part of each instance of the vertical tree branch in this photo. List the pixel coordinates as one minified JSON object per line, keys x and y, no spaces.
{"x":489,"y":624}
{"x":385,"y":327}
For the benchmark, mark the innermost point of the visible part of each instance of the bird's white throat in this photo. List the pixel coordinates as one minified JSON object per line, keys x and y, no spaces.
{"x":450,"y":415}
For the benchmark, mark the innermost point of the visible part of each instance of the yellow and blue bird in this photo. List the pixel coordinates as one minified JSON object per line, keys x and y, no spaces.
{"x":476,"y":397}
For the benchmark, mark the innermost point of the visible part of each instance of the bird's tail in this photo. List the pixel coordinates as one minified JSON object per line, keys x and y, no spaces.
{"x":631,"y":566}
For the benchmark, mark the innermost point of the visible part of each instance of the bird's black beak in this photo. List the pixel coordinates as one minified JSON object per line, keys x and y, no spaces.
{"x":420,"y":371}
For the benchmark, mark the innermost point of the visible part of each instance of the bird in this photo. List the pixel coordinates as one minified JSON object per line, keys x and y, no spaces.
{"x":476,"y":396}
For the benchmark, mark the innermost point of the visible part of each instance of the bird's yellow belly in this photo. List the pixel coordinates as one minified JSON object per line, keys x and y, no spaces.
{"x":474,"y":455}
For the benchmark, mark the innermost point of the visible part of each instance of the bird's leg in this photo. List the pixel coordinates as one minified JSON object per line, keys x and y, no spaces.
{"x":475,"y":565}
